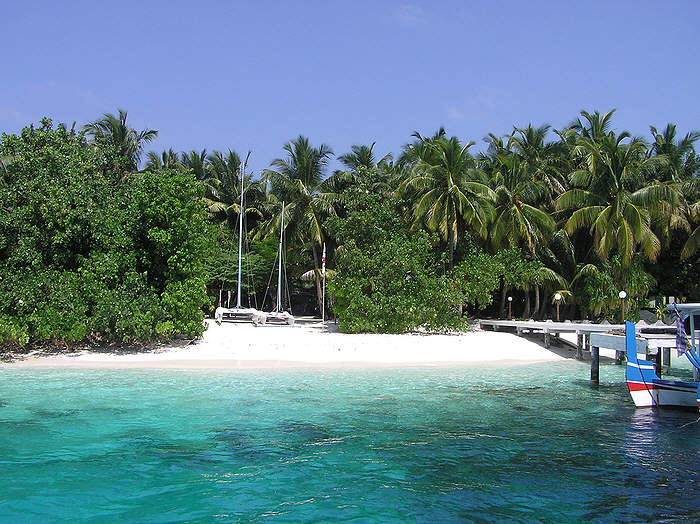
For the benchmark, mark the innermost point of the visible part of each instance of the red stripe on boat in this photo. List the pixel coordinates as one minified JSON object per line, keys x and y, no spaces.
{"x":639,"y":386}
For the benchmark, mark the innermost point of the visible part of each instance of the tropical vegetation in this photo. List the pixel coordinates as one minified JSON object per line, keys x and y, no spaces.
{"x":92,"y":247}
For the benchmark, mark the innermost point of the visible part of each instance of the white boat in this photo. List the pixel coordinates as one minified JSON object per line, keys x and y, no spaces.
{"x":278,"y":315}
{"x":238,"y":312}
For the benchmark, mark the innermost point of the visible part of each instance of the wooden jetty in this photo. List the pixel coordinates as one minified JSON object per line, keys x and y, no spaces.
{"x":653,"y":339}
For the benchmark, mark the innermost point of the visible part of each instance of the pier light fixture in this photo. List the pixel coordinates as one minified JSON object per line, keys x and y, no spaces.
{"x":557,"y":299}
{"x":510,"y":309}
{"x":623,"y":295}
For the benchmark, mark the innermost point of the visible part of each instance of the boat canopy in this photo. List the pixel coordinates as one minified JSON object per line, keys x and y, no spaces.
{"x":687,"y":345}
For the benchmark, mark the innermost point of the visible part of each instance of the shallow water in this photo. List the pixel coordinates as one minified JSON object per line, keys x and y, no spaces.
{"x":523,"y":443}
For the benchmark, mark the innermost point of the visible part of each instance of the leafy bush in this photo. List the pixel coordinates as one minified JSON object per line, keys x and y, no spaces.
{"x":85,"y":254}
{"x":476,"y":278}
{"x":386,"y":280}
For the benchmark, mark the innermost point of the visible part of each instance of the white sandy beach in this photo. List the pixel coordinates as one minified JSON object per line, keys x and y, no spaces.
{"x":240,"y":345}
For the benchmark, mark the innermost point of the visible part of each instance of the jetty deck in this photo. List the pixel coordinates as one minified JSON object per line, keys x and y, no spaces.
{"x":655,"y":339}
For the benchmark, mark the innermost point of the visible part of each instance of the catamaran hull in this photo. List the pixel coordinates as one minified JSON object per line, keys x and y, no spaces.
{"x":236,"y":313}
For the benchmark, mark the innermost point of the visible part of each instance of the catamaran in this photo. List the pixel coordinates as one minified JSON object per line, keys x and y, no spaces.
{"x":238,"y":312}
{"x":278,"y":315}
{"x":645,"y":386}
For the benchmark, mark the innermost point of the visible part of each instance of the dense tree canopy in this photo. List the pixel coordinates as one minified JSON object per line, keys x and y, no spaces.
{"x":85,"y":257}
{"x":92,"y":247}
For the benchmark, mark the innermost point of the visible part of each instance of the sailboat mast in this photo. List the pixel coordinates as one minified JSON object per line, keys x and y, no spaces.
{"x":323,"y":293}
{"x":279,"y":271}
{"x":240,"y":233}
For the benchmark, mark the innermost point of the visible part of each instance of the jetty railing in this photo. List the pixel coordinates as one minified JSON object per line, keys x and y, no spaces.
{"x":654,"y":339}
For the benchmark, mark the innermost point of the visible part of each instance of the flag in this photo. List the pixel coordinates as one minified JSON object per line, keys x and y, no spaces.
{"x":682,"y":341}
{"x":323,"y":261}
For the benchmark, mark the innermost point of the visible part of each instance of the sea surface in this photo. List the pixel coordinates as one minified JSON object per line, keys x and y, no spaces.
{"x":517,"y":443}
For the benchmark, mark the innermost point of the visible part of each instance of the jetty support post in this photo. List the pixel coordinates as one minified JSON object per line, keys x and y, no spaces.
{"x":667,"y":358}
{"x":582,"y":346}
{"x":654,"y":354}
{"x":657,"y":361}
{"x":595,"y":365}
{"x":586,"y":346}
{"x":546,"y":338}
{"x":619,"y":356}
{"x":579,"y":343}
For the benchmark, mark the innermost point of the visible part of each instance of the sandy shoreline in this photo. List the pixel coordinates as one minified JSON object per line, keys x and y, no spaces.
{"x":244,"y":346}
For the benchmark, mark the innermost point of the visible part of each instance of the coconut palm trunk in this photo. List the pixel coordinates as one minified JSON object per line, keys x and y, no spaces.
{"x":503,"y":302}
{"x":526,"y":311}
{"x":316,"y":278}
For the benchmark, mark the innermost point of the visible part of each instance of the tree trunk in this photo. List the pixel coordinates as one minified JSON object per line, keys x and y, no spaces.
{"x":536,"y":314}
{"x":526,"y":312}
{"x":503,"y":302}
{"x":317,"y":278}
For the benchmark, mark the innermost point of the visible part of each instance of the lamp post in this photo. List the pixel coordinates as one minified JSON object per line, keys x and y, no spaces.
{"x":557,"y":299}
{"x":510,"y":310}
{"x":623,"y":296}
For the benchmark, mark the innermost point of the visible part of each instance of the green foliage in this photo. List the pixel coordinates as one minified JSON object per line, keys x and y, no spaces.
{"x":598,"y":293}
{"x":221,"y":264}
{"x":518,"y":272}
{"x":386,"y":280}
{"x":674,"y":276}
{"x":476,"y":278}
{"x":84,"y":255}
{"x":91,"y":249}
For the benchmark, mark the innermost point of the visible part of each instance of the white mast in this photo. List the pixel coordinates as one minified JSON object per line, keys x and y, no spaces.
{"x":323,"y":293}
{"x":240,"y":233}
{"x":279,"y":271}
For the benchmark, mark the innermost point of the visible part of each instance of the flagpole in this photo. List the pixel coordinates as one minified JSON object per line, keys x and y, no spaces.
{"x":323,"y":293}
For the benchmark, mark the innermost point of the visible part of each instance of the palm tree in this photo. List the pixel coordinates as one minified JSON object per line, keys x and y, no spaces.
{"x":519,"y":221}
{"x":128,"y":142}
{"x":362,"y":156}
{"x":166,"y":160}
{"x":610,"y":198}
{"x":679,"y":172}
{"x":520,"y":185}
{"x":682,"y":163}
{"x":223,"y":188}
{"x":693,"y":243}
{"x":361,"y":167}
{"x":196,"y":161}
{"x":540,"y":158}
{"x":450,"y":192}
{"x":298,"y":181}
{"x":593,"y":126}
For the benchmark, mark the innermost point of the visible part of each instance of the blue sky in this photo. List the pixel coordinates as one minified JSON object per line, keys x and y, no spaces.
{"x":253,"y":75}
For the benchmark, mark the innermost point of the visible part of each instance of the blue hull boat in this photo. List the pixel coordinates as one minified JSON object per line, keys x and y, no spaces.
{"x":645,"y":386}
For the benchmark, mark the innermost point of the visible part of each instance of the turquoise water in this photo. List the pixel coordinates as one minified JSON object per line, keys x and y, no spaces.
{"x":523,"y":443}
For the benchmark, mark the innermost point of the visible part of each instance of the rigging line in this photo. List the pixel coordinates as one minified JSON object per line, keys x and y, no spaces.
{"x":689,"y":423}
{"x":251,"y":283}
{"x":286,"y":280}
{"x":646,"y":385}
{"x":249,"y":273}
{"x":244,"y":229}
{"x":269,"y":281}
